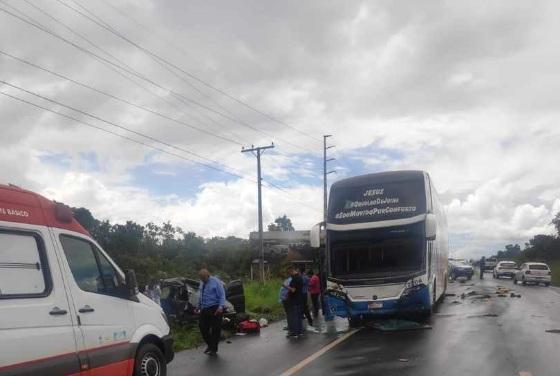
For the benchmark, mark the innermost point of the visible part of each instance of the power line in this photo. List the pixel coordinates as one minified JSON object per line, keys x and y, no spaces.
{"x":127,"y":68}
{"x":97,"y":20}
{"x":151,"y":138}
{"x":181,"y":97}
{"x":223,"y":170}
{"x":122,"y":136}
{"x":122,"y":100}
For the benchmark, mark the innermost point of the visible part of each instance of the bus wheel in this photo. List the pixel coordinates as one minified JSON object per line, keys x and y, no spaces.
{"x":150,"y":361}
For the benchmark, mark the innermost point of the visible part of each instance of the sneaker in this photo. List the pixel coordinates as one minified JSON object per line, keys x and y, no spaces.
{"x":207,"y":351}
{"x":212,"y":353}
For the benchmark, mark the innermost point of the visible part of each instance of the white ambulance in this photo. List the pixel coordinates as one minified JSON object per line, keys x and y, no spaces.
{"x":65,"y":307}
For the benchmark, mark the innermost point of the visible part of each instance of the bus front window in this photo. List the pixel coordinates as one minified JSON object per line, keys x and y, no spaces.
{"x":378,"y":253}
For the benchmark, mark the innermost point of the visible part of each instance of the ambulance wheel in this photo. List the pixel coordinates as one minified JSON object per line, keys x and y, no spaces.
{"x":150,"y":361}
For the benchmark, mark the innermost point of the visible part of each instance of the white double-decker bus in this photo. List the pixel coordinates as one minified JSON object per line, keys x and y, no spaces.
{"x":386,"y":246}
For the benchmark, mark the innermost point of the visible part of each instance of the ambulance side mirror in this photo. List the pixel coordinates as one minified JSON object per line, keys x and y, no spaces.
{"x":431,"y":226}
{"x":131,"y":284}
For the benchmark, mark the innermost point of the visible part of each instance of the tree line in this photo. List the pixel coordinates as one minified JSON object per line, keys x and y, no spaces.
{"x":542,"y":248}
{"x":165,"y":251}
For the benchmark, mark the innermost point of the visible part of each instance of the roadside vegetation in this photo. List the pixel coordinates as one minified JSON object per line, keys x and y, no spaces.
{"x":540,"y":248}
{"x":262,"y":299}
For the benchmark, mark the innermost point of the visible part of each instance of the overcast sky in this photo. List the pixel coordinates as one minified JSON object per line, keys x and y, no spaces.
{"x":467,"y":91}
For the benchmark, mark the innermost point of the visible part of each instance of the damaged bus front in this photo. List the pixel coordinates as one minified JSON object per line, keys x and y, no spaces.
{"x":386,"y":246}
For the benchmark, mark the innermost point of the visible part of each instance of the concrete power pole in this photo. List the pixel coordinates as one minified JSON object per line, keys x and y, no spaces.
{"x":325,"y":173}
{"x":257,"y":151}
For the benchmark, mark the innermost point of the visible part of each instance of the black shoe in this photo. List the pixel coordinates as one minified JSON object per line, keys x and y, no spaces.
{"x":207,"y":351}
{"x":212,"y":353}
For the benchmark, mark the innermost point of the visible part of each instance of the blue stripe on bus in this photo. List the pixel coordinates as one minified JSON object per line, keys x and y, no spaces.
{"x":419,"y":301}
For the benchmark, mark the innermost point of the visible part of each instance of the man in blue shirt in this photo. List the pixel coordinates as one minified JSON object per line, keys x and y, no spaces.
{"x":211,"y":304}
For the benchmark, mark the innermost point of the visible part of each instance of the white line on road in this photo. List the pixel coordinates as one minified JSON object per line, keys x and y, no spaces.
{"x":298,"y":367}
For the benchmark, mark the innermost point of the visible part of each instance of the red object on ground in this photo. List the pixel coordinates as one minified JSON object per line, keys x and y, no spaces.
{"x":249,"y":326}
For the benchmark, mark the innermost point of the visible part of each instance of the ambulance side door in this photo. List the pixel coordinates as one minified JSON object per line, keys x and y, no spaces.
{"x":104,"y":315}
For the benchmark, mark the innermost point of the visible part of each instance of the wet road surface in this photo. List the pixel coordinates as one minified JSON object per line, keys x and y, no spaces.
{"x":480,"y":334}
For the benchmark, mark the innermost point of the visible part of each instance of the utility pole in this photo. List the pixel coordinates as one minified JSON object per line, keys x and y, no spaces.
{"x":257,"y":151}
{"x":325,"y":173}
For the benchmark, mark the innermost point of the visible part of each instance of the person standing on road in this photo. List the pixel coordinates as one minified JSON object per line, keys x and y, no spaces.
{"x":482,"y":267}
{"x":295,"y":327}
{"x":211,"y":304}
{"x":314,"y":291}
{"x":304,"y":298}
{"x":283,"y":296}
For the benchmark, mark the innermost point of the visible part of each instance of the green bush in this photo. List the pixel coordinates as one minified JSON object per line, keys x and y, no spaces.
{"x":555,"y":267}
{"x":262,"y":299}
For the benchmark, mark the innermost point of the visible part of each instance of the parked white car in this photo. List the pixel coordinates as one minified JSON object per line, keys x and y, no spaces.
{"x":505,"y":269}
{"x":65,"y":306}
{"x":533,"y":272}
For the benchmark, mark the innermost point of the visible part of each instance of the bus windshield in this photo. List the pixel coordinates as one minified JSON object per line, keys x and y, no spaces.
{"x":378,"y":253}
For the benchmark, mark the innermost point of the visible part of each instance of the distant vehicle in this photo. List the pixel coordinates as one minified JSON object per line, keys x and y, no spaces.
{"x":533,"y":272}
{"x":180,"y":296}
{"x":505,"y":269}
{"x":65,"y":306}
{"x":460,"y":268}
{"x":386,"y":246}
{"x":490,"y":263}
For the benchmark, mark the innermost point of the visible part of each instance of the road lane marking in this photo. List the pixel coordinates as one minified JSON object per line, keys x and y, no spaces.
{"x":298,"y":367}
{"x":525,"y":373}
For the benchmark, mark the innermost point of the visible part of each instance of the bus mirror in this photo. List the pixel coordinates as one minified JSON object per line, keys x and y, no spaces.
{"x":431,"y":226}
{"x":315,"y":236}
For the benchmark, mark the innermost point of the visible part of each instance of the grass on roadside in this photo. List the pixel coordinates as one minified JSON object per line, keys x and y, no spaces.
{"x":262,"y":299}
{"x":185,"y":336}
{"x":555,"y":267}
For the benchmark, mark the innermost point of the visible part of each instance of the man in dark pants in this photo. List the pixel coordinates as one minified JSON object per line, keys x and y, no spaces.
{"x":482,"y":266}
{"x":295,"y":327}
{"x":211,"y":307}
{"x":304,"y":298}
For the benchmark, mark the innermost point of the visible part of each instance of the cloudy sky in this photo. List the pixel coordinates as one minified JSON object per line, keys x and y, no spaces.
{"x":467,"y":91}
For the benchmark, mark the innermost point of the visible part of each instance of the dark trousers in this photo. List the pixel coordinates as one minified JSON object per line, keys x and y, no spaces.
{"x":210,"y":326}
{"x":482,"y":273}
{"x":305,"y":309}
{"x":294,"y":318}
{"x":315,"y":303}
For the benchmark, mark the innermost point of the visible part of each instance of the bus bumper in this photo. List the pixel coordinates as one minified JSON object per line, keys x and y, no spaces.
{"x":414,"y":301}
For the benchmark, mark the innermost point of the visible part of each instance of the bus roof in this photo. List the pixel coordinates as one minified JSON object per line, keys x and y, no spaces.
{"x":22,"y":206}
{"x":379,"y":177}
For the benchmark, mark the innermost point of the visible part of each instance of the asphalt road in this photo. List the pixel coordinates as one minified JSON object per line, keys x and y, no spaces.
{"x":480,"y":334}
